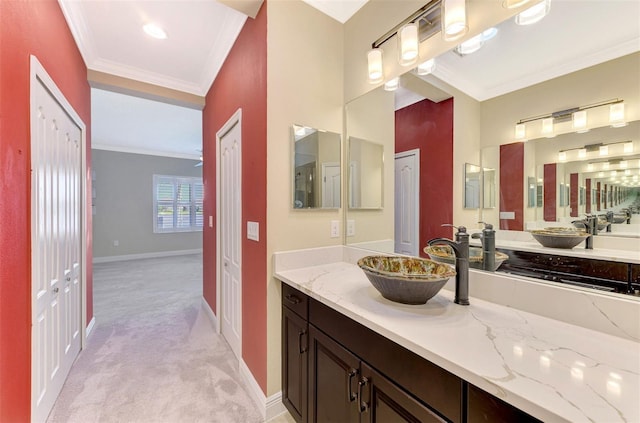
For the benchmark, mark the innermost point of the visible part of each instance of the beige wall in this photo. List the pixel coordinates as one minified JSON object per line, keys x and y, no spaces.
{"x":304,"y":71}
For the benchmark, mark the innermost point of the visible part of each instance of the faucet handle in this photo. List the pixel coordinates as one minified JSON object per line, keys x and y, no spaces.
{"x":462,"y":229}
{"x":486,"y":225}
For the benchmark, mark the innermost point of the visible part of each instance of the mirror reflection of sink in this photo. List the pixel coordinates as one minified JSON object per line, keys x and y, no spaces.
{"x":406,"y":280}
{"x":444,"y":254}
{"x":559,"y":237}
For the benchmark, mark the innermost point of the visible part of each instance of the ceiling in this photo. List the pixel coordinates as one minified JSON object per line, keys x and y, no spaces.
{"x":576,"y":33}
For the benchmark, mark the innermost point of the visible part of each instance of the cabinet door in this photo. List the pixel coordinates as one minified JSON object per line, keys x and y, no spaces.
{"x":294,"y":364}
{"x":333,"y":378}
{"x":382,"y":401}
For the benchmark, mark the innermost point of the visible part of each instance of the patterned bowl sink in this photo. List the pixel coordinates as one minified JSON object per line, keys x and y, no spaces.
{"x":406,"y":280}
{"x":559,"y":237}
{"x":444,"y":254}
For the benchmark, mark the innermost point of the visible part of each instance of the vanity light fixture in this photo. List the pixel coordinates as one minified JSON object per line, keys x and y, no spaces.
{"x":425,"y":68}
{"x":600,"y":174}
{"x":454,"y":19}
{"x":374,"y":65}
{"x":605,"y":165}
{"x":590,"y":167}
{"x":582,"y":153}
{"x":155,"y":31}
{"x":512,"y":4}
{"x":534,"y":13}
{"x":623,"y":164}
{"x":604,"y":151}
{"x":408,"y":44}
{"x":392,"y":84}
{"x":562,"y":156}
{"x":473,"y":44}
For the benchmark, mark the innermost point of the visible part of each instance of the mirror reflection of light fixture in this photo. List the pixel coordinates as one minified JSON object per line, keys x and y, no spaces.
{"x":425,"y":68}
{"x":622,"y":164}
{"x":520,"y":132}
{"x":408,"y":44}
{"x":628,"y":147}
{"x":604,"y":151}
{"x":580,"y":121}
{"x":374,"y":63}
{"x":562,"y":156}
{"x":473,"y":44}
{"x":454,"y":19}
{"x":547,"y":127}
{"x":392,"y":84}
{"x":590,"y":167}
{"x":582,"y":153}
{"x":534,"y":13}
{"x":616,"y":115}
{"x":600,"y":174}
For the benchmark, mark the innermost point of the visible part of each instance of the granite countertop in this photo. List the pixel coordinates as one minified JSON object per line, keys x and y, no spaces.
{"x":553,"y":370}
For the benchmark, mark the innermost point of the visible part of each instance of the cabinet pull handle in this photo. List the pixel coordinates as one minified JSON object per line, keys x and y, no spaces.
{"x":292,"y":299}
{"x":364,"y":406}
{"x":302,"y":347}
{"x":352,"y":395}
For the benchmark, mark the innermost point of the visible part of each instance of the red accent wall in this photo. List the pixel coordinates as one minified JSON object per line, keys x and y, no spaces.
{"x":429,"y":126}
{"x":588,"y":196}
{"x":604,"y":193}
{"x":550,"y":192}
{"x":511,"y":185}
{"x":38,"y":28}
{"x":573,"y":196}
{"x":598,"y":196}
{"x":242,"y":83}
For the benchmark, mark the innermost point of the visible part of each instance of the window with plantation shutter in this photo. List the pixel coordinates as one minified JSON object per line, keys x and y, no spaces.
{"x":177,"y":204}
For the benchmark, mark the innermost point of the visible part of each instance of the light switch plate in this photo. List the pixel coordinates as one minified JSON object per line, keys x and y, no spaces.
{"x":335,"y":228}
{"x":351,"y":227}
{"x":507,"y":215}
{"x":253,"y":231}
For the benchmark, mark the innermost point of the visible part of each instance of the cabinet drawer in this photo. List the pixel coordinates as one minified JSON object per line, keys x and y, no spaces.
{"x":295,"y":300}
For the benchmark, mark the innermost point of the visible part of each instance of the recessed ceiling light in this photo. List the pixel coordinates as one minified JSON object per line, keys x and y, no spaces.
{"x":155,"y":31}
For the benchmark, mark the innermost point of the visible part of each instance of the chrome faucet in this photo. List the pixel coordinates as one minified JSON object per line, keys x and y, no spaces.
{"x":488,"y":240}
{"x":461,"y":249}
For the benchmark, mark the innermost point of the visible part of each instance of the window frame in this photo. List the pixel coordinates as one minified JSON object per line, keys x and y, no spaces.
{"x":194,"y":204}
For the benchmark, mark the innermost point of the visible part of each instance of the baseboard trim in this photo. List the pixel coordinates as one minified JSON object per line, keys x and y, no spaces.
{"x":109,"y":259}
{"x":90,"y":326}
{"x":210,"y":314}
{"x":268,"y":407}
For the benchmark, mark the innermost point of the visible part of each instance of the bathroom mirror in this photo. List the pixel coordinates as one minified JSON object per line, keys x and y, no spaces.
{"x":472,"y":176}
{"x":489,"y":188}
{"x":366,"y":174}
{"x":316,"y":182}
{"x":531,"y":191}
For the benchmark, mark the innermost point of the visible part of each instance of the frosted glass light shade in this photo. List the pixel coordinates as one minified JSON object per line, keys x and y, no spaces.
{"x":604,"y":151}
{"x":590,"y":167}
{"x":582,"y":153}
{"x":628,"y":147}
{"x":374,"y":66}
{"x":512,"y":4}
{"x":454,"y":19}
{"x":547,"y":127}
{"x":471,"y":45}
{"x":408,"y":44}
{"x":534,"y":13}
{"x":562,"y":156}
{"x":580,"y":121}
{"x":520,"y":132}
{"x":392,"y":84}
{"x":425,"y":68}
{"x":616,"y":115}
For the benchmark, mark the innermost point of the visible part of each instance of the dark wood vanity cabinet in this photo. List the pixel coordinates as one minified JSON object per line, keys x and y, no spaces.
{"x":295,"y":331}
{"x":336,"y":370}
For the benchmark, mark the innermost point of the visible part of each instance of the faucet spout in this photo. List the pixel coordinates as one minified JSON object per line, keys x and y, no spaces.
{"x":461,"y":250}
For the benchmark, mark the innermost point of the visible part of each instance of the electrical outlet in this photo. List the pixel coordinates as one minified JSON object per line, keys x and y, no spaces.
{"x":335,"y":228}
{"x":351,"y":227}
{"x":116,"y":243}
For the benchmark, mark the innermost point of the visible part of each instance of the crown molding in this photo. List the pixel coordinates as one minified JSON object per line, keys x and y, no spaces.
{"x":80,"y":31}
{"x":137,"y":150}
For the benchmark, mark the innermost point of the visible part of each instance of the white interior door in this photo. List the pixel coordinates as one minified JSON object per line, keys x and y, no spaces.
{"x":231,"y":235}
{"x":56,"y":185}
{"x":407,"y":202}
{"x":331,"y":185}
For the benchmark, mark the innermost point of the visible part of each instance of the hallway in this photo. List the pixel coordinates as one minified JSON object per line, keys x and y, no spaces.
{"x":153,"y":355}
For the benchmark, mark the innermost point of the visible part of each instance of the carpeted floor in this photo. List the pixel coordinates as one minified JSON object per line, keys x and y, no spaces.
{"x":153,"y":355}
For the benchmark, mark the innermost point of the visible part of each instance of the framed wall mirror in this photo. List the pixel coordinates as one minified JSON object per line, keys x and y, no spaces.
{"x":316,"y":180}
{"x":472,"y":177}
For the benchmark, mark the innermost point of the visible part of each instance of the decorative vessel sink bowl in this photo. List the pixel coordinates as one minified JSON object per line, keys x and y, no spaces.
{"x":619,"y":218}
{"x":444,"y":254}
{"x":602,"y":224}
{"x":559,"y":237}
{"x":406,"y":280}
